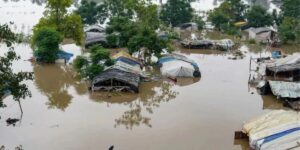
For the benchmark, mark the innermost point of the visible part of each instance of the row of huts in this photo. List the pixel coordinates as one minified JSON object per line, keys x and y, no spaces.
{"x":128,"y":72}
{"x":277,"y":129}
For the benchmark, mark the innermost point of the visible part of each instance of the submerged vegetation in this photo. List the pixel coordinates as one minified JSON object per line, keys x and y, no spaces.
{"x":89,"y":67}
{"x":56,"y":16}
{"x":46,"y":41}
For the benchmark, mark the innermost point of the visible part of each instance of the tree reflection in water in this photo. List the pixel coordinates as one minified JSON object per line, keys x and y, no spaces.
{"x":54,"y":82}
{"x":134,"y":117}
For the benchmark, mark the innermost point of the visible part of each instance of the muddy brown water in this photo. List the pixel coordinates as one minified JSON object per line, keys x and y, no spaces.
{"x":193,"y":114}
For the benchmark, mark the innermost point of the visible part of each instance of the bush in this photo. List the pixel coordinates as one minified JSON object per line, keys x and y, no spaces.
{"x":252,"y":41}
{"x":99,"y":58}
{"x":80,"y":62}
{"x":93,"y":70}
{"x":46,"y":41}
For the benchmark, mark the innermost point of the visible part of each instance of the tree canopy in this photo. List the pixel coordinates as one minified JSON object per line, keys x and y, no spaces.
{"x":89,"y":67}
{"x":176,"y":12}
{"x":258,"y":16}
{"x":56,"y":16}
{"x":10,"y":81}
{"x":46,"y":41}
{"x":289,"y":22}
{"x":229,"y":12}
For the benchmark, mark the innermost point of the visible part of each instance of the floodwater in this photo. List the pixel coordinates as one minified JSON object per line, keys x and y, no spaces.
{"x":193,"y":114}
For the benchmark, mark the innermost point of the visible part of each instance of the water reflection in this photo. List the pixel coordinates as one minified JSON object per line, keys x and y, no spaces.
{"x":152,"y":95}
{"x":54,"y":82}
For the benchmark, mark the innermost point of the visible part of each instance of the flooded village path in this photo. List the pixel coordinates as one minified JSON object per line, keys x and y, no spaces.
{"x":189,"y":115}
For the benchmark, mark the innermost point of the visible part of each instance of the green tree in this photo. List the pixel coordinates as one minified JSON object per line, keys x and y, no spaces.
{"x":46,"y":42}
{"x":176,"y":12}
{"x":200,"y":22}
{"x":11,"y":81}
{"x":56,"y":16}
{"x":289,"y":30}
{"x":99,"y":59}
{"x":148,"y":41}
{"x":218,"y":18}
{"x":291,"y":8}
{"x":229,"y":12}
{"x":257,"y":16}
{"x":91,"y":12}
{"x":124,"y":27}
{"x":289,"y":24}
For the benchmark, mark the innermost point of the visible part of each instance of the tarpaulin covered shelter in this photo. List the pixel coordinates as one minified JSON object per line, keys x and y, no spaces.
{"x":224,"y":44}
{"x":127,"y":58}
{"x":179,"y":68}
{"x":182,"y":58}
{"x":116,"y":79}
{"x":197,"y":44}
{"x":128,"y":68}
{"x":279,"y":129}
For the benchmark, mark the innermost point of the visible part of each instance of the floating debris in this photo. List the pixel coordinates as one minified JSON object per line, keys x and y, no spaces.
{"x":11,"y":121}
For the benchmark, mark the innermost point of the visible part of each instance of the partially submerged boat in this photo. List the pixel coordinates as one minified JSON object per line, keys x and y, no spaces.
{"x":278,"y":129}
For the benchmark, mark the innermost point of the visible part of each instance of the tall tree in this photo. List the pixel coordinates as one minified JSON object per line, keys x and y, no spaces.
{"x":92,"y":12}
{"x":176,"y":12}
{"x":46,"y":41}
{"x":56,"y":16}
{"x":289,"y":28}
{"x":10,"y":81}
{"x":291,"y":8}
{"x":257,"y":16}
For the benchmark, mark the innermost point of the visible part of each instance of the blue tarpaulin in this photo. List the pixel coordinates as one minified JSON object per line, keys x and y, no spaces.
{"x":64,"y":55}
{"x":279,"y":135}
{"x":276,"y":54}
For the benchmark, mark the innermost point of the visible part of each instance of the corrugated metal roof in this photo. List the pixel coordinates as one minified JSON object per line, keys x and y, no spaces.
{"x":285,"y":89}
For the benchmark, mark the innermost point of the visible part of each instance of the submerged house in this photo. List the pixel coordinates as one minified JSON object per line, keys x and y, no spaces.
{"x":94,"y":28}
{"x":286,"y":67}
{"x":95,"y":38}
{"x":124,"y":76}
{"x":116,"y":80}
{"x":281,"y":89}
{"x":189,"y":26}
{"x":261,"y":34}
